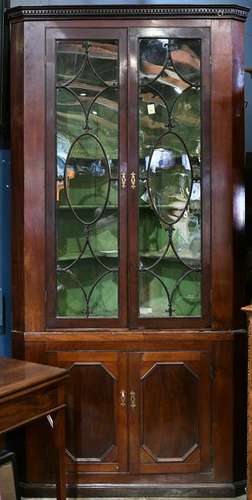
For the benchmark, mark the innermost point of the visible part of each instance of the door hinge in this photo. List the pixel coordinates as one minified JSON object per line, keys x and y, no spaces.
{"x":210,"y":60}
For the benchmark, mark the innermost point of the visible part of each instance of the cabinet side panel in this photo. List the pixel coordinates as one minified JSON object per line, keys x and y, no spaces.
{"x":223,"y":405}
{"x":240,"y":409}
{"x":34,"y":175}
{"x":222,"y":251}
{"x":17,"y":162}
{"x":238,"y":173}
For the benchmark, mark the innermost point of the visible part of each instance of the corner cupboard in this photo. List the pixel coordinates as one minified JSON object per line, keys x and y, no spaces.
{"x":127,"y":155}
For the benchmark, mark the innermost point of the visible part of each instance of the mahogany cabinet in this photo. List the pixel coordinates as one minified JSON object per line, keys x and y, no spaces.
{"x":163,"y":436}
{"x":127,"y":156}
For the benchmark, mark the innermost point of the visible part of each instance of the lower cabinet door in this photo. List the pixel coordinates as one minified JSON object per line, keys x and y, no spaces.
{"x":169,"y":412}
{"x":97,"y":409}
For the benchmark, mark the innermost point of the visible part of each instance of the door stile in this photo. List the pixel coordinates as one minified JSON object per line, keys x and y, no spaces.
{"x":134,"y":412}
{"x":205,"y":424}
{"x":122,"y":411}
{"x":122,"y":191}
{"x":133,"y":184}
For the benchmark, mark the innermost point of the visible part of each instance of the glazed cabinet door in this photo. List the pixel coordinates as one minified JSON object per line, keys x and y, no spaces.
{"x":169,"y":412}
{"x":86,"y":177}
{"x":97,"y":409}
{"x":169,"y":171}
{"x":128,"y":177}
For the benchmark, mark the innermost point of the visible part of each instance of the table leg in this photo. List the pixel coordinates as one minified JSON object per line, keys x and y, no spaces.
{"x":59,"y":444}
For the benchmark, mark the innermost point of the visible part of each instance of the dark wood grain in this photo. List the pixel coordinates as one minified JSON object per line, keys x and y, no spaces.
{"x":240,"y":407}
{"x":97,"y":421}
{"x":223,"y":410}
{"x":221,"y":112}
{"x":238,"y":165}
{"x":133,"y":155}
{"x":29,"y":391}
{"x":173,"y":397}
{"x":34,"y":177}
{"x":216,"y":295}
{"x":28,"y":184}
{"x":106,"y":357}
{"x":59,"y":429}
{"x":227,"y":166}
{"x":92,"y":433}
{"x":17,"y":375}
{"x":17,"y":118}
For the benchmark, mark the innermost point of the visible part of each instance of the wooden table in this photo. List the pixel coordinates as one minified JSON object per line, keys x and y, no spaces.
{"x":29,"y":391}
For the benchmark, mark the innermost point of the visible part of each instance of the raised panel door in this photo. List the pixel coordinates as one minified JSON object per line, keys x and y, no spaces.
{"x":97,"y":411}
{"x":169,"y":412}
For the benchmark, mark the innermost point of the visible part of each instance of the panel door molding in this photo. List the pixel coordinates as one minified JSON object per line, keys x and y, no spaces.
{"x":170,"y":422}
{"x":96,"y":415}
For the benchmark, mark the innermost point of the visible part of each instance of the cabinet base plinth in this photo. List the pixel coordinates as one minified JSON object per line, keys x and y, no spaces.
{"x":189,"y":490}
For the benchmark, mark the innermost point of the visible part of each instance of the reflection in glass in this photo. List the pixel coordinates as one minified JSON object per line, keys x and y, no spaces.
{"x":169,"y":234}
{"x":185,"y":57}
{"x":169,"y":179}
{"x":87,"y":178}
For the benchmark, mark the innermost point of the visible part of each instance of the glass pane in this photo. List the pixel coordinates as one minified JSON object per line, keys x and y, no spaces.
{"x":168,"y":290}
{"x":87,"y":179}
{"x":185,"y":58}
{"x":169,"y":228}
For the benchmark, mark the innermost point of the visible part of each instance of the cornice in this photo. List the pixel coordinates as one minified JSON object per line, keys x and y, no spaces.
{"x":139,"y":11}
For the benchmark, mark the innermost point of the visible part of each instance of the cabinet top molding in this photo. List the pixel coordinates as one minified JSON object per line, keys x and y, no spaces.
{"x":200,"y":11}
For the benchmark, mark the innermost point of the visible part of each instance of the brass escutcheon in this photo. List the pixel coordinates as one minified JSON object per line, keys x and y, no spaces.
{"x":123,"y":180}
{"x":123,"y":398}
{"x":132,"y":399}
{"x":133,"y":180}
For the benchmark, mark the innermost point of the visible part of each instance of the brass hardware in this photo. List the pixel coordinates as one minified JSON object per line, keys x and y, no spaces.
{"x":123,"y":180}
{"x":123,"y":398}
{"x":133,"y":180}
{"x":132,"y":399}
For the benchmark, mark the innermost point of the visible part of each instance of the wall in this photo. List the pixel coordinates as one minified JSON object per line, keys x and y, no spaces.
{"x":5,"y":324}
{"x":5,"y":191}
